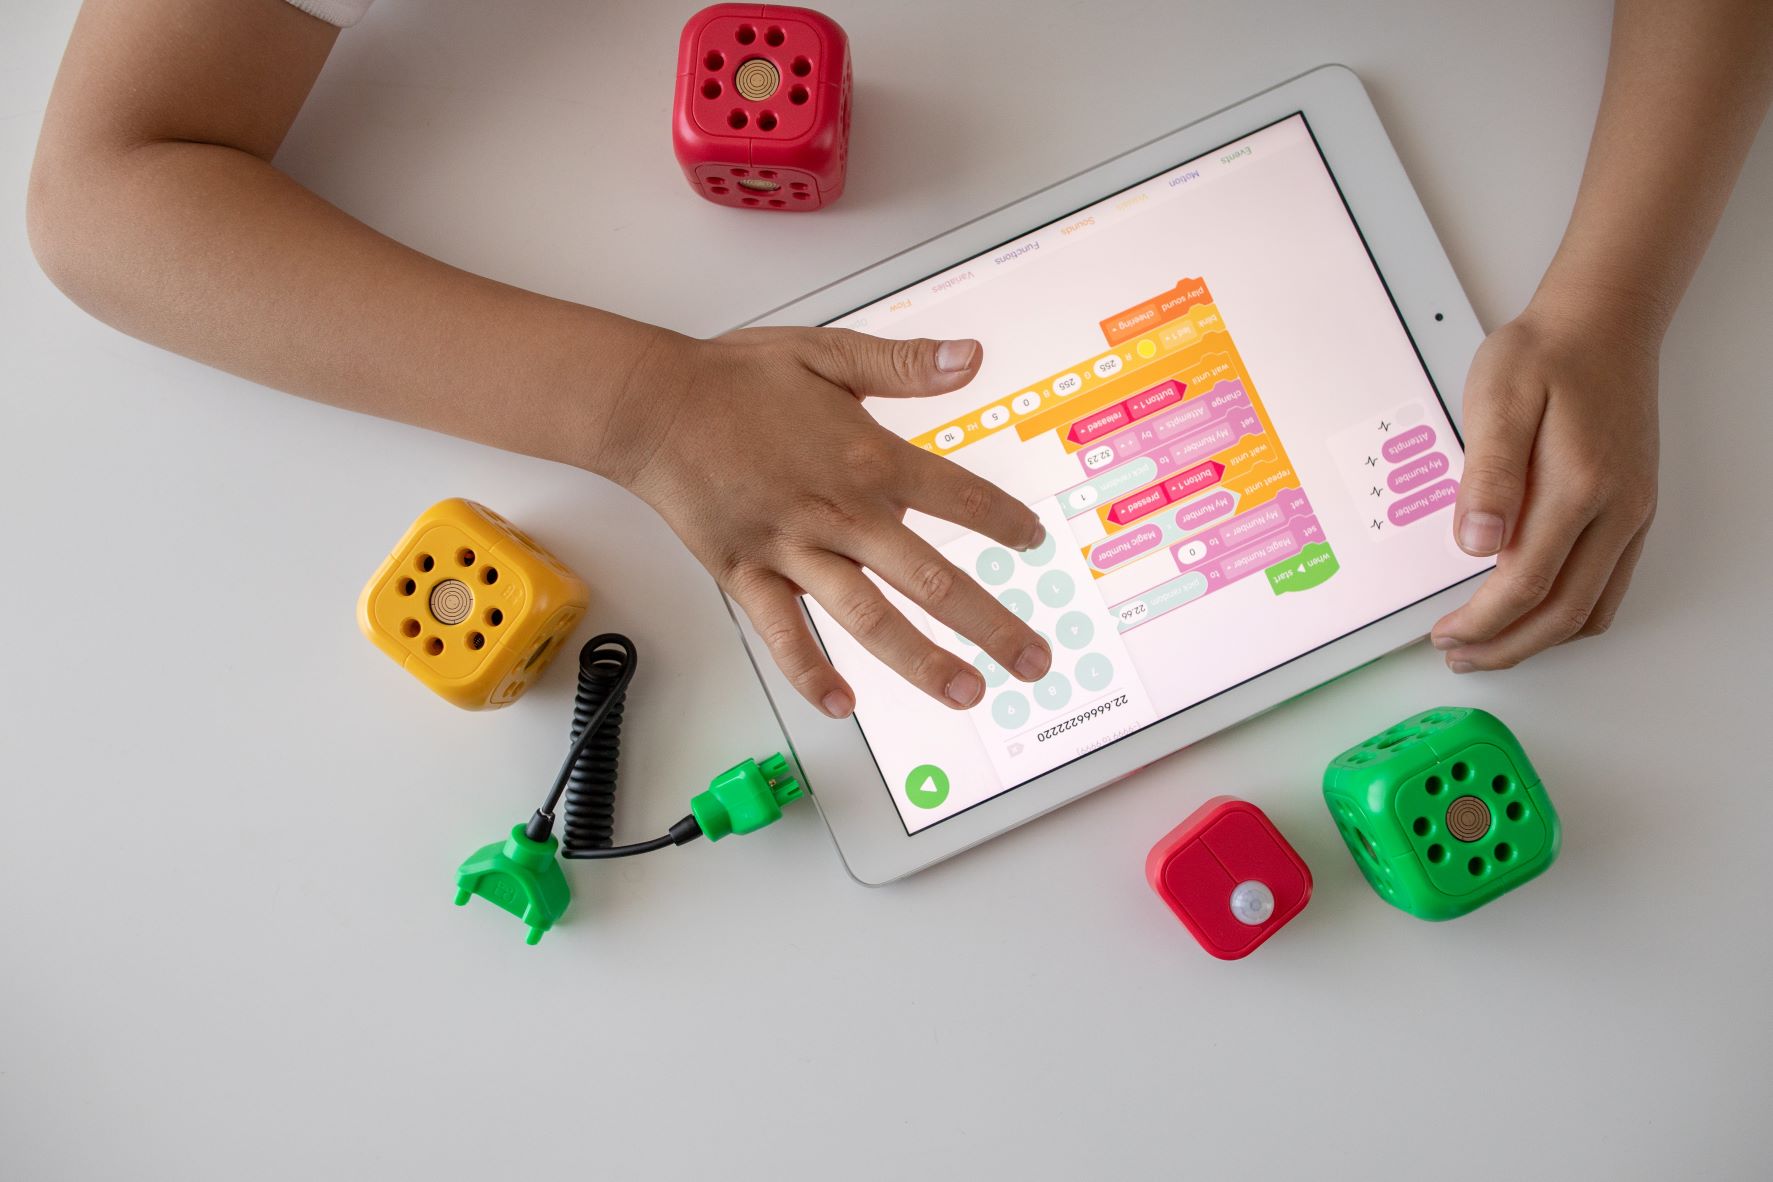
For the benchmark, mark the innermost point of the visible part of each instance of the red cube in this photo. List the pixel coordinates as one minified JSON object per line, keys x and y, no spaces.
{"x":1229,"y":876}
{"x":762,"y":116}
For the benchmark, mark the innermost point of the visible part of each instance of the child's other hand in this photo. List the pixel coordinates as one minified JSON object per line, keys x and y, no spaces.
{"x":1560,"y":479}
{"x":755,"y":448}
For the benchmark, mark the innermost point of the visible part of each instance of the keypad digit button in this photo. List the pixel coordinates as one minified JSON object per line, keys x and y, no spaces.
{"x":1076,"y":630}
{"x":1055,"y":588}
{"x":1043,"y":553}
{"x":994,"y":674}
{"x":1010,"y":710}
{"x":1052,"y":691}
{"x":996,"y":566}
{"x":1094,"y":672}
{"x":1020,"y":603}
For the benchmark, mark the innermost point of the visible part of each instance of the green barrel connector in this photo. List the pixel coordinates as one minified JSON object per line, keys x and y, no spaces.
{"x":745,"y":797}
{"x":521,"y":875}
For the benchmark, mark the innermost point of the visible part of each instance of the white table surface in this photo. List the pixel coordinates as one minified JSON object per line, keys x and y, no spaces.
{"x":226,"y":942}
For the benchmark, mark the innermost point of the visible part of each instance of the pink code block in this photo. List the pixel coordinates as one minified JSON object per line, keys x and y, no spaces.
{"x":1192,"y":517}
{"x":1417,"y":472}
{"x":1124,"y":547}
{"x":1422,"y":502}
{"x":1412,"y":442}
{"x":1228,"y":394}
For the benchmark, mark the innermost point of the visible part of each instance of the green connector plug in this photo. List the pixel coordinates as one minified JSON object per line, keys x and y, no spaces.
{"x":521,"y":875}
{"x":745,"y":798}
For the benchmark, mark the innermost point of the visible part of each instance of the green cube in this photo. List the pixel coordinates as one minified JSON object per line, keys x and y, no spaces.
{"x":1442,"y":812}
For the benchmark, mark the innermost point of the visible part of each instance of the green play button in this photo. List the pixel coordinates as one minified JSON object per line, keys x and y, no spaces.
{"x":926,"y":786}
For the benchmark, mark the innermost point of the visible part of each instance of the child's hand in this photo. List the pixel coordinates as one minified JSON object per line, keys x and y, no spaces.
{"x":1560,"y":479}
{"x":755,"y":448}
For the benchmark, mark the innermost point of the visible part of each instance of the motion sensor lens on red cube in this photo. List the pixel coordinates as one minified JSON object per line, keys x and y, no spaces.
{"x":762,"y":114}
{"x":1229,"y":876}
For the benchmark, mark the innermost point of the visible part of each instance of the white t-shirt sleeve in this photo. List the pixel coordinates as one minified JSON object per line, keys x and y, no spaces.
{"x":343,"y":13}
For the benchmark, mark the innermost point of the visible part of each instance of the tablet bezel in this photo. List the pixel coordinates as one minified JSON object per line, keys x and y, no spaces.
{"x":834,"y":759}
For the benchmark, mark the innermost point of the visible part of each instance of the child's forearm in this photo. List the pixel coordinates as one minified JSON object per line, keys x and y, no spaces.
{"x":180,"y":232}
{"x":1560,"y":477}
{"x":211,"y":253}
{"x":1687,"y":87}
{"x":154,"y":204}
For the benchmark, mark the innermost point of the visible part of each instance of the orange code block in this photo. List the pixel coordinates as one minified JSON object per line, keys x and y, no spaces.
{"x":470,"y":605}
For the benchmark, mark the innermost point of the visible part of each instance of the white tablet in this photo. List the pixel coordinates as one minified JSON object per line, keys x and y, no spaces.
{"x":1224,"y":368}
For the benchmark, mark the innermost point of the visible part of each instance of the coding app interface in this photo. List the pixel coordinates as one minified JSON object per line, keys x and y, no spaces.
{"x":1202,"y":388}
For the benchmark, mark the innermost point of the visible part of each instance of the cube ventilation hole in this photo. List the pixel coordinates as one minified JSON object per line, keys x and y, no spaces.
{"x":765,"y":182}
{"x":449,"y":603}
{"x":1398,"y":738}
{"x":1376,"y":872}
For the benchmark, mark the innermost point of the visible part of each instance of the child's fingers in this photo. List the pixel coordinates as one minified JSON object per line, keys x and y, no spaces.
{"x":875,"y":367}
{"x":919,"y":572}
{"x":942,"y":488}
{"x":1526,"y":572}
{"x":1607,"y":606}
{"x":861,"y":610}
{"x":1501,"y":422}
{"x":1563,"y":615}
{"x":774,"y":609}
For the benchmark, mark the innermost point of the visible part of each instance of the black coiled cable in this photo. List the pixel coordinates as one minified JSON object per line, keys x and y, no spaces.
{"x":606,"y":665}
{"x":587,"y":777}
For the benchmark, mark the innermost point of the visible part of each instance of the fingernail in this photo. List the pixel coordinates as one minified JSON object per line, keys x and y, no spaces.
{"x":1480,"y":534}
{"x":966,"y":688}
{"x":954,"y":356}
{"x":837,"y":704}
{"x":1033,"y":663}
{"x":1462,"y":666}
{"x":1445,"y":642}
{"x":1040,"y":535}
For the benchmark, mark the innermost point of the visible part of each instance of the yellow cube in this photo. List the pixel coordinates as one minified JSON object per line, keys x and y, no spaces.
{"x":470,"y":605}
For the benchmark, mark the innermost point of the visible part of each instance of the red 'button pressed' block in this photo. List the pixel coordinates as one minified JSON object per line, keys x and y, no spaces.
{"x":1229,"y":876}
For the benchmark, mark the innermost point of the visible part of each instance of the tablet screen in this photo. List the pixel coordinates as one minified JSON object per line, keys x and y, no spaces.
{"x":1202,"y":387}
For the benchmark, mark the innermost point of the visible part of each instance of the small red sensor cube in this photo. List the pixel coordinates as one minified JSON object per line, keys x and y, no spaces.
{"x":1229,"y":876}
{"x":762,"y":116}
